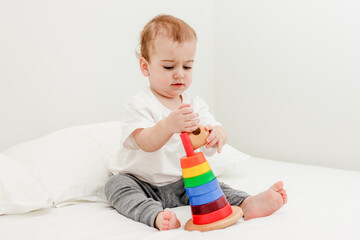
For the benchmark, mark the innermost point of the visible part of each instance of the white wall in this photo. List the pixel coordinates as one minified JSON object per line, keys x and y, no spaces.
{"x":284,"y":74}
{"x":289,"y":71}
{"x":70,"y":62}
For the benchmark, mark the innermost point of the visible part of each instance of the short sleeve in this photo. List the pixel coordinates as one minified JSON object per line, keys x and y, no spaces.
{"x":137,"y":114}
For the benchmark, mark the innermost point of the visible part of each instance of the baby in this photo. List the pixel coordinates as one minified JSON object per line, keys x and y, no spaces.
{"x":147,"y":174}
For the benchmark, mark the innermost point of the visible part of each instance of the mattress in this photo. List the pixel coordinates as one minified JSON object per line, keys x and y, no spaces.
{"x":323,"y":203}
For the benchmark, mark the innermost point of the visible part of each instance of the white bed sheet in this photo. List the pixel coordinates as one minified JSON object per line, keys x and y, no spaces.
{"x":323,"y":203}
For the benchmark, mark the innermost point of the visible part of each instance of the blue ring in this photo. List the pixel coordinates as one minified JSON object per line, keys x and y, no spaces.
{"x":206,"y":198}
{"x":202,"y":189}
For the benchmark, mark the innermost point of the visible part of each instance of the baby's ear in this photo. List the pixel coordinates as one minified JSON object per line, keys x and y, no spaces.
{"x":144,"y":66}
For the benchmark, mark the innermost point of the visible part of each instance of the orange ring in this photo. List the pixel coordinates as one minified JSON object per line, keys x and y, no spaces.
{"x":192,"y":161}
{"x":213,"y":216}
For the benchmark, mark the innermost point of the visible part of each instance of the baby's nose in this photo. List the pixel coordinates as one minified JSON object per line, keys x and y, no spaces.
{"x":179,"y":74}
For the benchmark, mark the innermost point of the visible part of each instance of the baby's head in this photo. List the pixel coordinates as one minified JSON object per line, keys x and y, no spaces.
{"x":164,"y":26}
{"x":167,"y":51}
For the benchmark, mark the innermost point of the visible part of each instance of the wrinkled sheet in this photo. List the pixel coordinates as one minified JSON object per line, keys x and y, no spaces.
{"x":323,"y":203}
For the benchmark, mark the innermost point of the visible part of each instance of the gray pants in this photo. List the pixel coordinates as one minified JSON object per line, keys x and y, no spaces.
{"x":142,"y":201}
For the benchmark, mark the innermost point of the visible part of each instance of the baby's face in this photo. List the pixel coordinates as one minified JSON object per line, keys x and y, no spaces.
{"x":170,"y":67}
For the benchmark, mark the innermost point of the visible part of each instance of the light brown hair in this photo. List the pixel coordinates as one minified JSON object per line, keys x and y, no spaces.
{"x":166,"y":26}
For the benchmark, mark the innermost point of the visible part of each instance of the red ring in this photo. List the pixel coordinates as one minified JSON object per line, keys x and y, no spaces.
{"x":192,"y":161}
{"x":213,"y":216}
{"x":209,"y":207}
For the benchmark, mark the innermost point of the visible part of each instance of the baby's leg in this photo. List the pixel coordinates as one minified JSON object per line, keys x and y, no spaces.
{"x":235,"y":197}
{"x":133,"y":198}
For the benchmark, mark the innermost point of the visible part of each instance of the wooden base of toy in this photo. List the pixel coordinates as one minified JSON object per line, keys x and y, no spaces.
{"x":229,"y":220}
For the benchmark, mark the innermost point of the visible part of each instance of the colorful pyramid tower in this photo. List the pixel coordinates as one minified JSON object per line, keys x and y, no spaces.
{"x":209,"y":206}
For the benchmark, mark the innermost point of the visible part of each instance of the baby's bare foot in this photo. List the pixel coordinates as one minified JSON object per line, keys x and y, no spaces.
{"x":265,"y":203}
{"x":166,"y":220}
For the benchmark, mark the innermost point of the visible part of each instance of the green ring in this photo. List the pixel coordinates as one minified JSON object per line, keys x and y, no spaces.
{"x":199,"y":180}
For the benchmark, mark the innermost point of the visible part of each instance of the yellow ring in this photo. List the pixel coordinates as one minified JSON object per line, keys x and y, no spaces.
{"x":196,"y":171}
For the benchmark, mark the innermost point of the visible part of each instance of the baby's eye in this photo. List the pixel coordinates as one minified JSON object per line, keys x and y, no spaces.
{"x":187,"y":68}
{"x":168,"y":68}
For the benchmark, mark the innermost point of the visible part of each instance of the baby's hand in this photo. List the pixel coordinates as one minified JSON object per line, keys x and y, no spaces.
{"x":217,"y":137}
{"x":183,"y":119}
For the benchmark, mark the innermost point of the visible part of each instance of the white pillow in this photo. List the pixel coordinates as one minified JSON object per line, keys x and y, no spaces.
{"x":73,"y":163}
{"x":20,"y":191}
{"x":226,"y":160}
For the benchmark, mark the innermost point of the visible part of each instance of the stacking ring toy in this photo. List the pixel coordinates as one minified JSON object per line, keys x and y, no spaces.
{"x":209,"y":207}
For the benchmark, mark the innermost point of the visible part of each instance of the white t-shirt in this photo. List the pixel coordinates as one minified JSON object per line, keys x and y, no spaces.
{"x":162,"y":166}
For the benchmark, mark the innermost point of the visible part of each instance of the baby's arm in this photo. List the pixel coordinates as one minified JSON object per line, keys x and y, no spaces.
{"x":217,"y":136}
{"x":180,"y":120}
